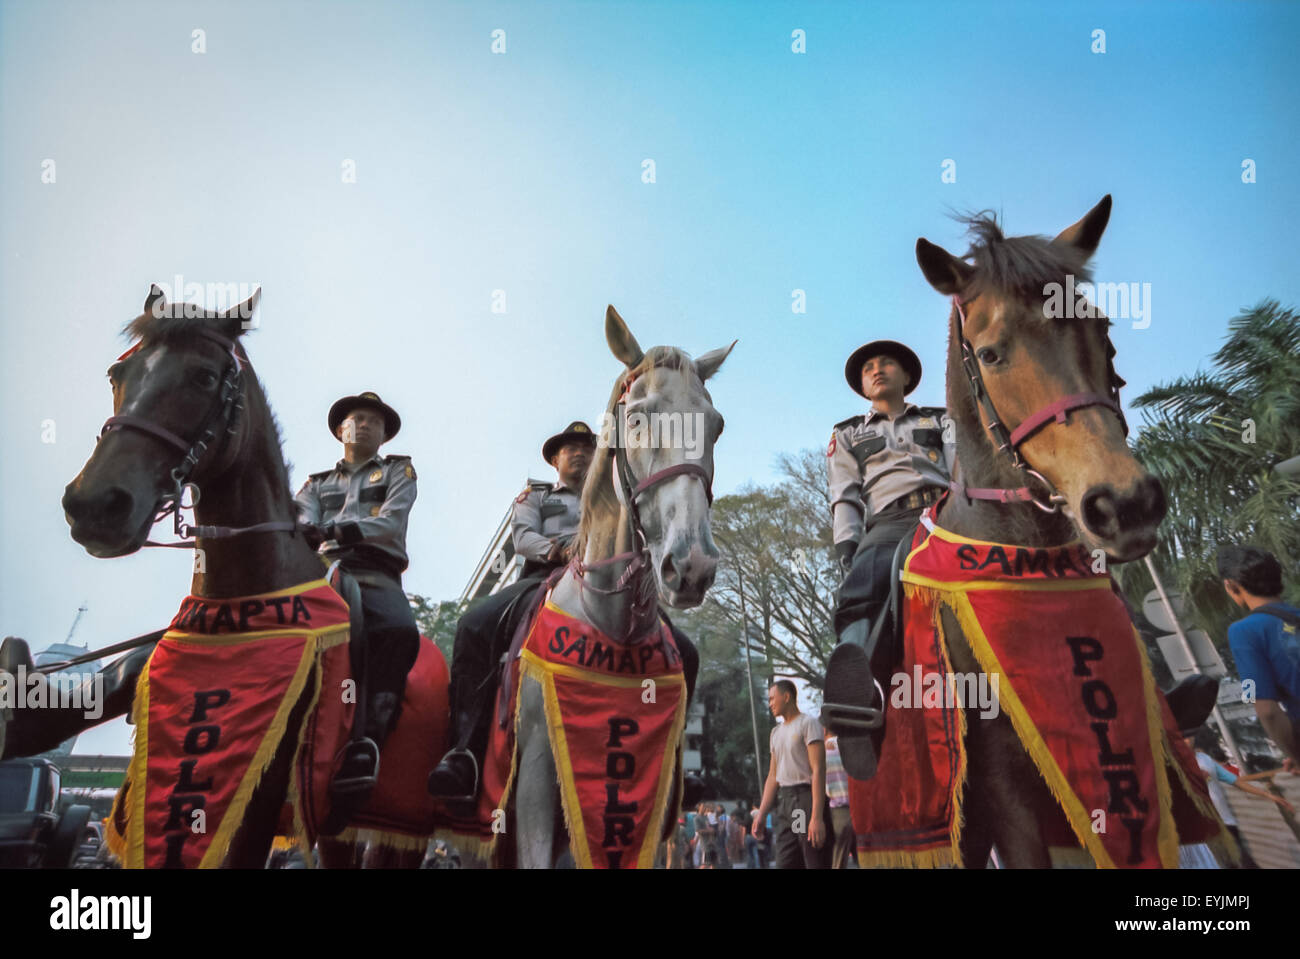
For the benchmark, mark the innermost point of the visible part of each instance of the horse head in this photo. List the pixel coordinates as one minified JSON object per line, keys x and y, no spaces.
{"x":1031,"y":385}
{"x":655,"y":465}
{"x":177,"y":401}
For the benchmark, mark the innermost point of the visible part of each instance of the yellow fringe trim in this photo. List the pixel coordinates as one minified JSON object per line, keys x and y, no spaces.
{"x":533,"y":667}
{"x":266,"y":750}
{"x":400,"y":841}
{"x":1026,"y":731}
{"x":570,"y":804}
{"x":941,"y":858}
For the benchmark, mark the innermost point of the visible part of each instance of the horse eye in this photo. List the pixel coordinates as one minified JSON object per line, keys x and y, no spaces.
{"x":987,"y":356}
{"x":206,"y":379}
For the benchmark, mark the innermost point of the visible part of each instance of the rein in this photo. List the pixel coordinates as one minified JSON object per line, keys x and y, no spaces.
{"x":1008,"y":442}
{"x":224,"y":413}
{"x":628,"y":491}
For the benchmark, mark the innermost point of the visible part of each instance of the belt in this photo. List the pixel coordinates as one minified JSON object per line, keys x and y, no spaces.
{"x":914,"y":500}
{"x":373,"y":577}
{"x":807,"y":786}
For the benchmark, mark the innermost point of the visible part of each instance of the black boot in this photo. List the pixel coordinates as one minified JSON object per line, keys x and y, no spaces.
{"x":359,"y":770}
{"x":854,"y":703}
{"x":456,"y":775}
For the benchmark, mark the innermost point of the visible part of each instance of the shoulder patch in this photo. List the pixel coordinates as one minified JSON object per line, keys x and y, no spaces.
{"x":851,"y":421}
{"x":830,"y":450}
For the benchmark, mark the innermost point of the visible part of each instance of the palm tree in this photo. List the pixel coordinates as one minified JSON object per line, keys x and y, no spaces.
{"x":1214,"y":440}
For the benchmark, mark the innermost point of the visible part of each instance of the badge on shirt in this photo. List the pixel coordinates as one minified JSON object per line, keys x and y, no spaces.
{"x":410,"y":471}
{"x":376,"y":476}
{"x":374,"y":511}
{"x":934,"y":456}
{"x":927,"y":422}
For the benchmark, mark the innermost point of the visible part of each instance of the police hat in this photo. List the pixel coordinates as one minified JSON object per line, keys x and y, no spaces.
{"x":905,"y":357}
{"x":577,"y":431}
{"x":340,"y":410}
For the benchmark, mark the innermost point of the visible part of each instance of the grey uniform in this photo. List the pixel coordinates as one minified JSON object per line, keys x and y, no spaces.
{"x":368,"y":507}
{"x":873,"y":461}
{"x":544,"y":514}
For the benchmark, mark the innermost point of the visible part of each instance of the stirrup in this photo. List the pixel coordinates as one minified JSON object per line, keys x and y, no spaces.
{"x":473,"y":795}
{"x":365,"y":750}
{"x":848,"y":720}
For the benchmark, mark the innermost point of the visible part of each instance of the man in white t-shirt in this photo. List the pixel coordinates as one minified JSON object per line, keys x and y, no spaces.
{"x":796,"y":785}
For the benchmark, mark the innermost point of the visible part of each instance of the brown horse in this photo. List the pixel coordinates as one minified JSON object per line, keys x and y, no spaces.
{"x":1071,"y":477}
{"x":189,"y":411}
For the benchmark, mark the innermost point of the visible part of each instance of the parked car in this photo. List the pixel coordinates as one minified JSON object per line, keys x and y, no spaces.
{"x":33,"y":834}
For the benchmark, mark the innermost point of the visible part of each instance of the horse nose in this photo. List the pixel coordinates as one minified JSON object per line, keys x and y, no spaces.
{"x":690,"y":572}
{"x":109,"y":508}
{"x":1110,"y":515}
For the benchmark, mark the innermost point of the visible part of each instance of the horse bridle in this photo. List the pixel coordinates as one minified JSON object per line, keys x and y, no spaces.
{"x":631,"y":490}
{"x":1008,"y":442}
{"x":223,"y":418}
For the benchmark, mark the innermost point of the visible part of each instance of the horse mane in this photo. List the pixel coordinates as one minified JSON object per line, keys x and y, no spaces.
{"x":598,"y":496}
{"x":175,"y":327}
{"x":1018,"y":266}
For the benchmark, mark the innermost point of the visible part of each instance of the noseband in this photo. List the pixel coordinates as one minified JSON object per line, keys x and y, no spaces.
{"x":225,"y":413}
{"x":630,"y":490}
{"x":1008,"y":442}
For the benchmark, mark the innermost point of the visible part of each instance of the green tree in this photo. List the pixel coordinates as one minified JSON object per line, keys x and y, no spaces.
{"x":1214,"y":439}
{"x":437,"y":620}
{"x":777,"y":556}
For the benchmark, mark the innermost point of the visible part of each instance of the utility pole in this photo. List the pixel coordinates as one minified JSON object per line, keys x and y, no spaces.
{"x":749,"y":680}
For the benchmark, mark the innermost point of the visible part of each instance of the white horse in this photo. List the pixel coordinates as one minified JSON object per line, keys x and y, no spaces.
{"x":644,"y":539}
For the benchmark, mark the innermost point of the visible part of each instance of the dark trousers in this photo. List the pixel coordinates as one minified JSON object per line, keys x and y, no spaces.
{"x":865,"y":589}
{"x":391,"y":643}
{"x":794,"y":850}
{"x":476,"y":654}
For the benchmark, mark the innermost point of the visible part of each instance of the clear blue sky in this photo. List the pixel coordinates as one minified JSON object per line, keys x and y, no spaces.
{"x":522,"y":172}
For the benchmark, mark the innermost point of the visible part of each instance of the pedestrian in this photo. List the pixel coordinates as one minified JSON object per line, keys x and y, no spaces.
{"x":1201,"y":742}
{"x":753,"y":847}
{"x":837,"y":800}
{"x":723,"y":837}
{"x":1266,"y":644}
{"x":796,"y":784}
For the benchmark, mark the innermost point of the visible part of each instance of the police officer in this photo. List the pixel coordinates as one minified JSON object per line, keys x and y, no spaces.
{"x":357,"y":513}
{"x":883,"y":467}
{"x":544,"y":521}
{"x":543,"y":525}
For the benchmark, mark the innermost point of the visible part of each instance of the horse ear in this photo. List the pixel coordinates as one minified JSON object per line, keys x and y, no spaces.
{"x":945,"y":272}
{"x":237,"y":319}
{"x":1085,"y":235}
{"x":708,"y":364}
{"x":155,"y":300}
{"x":620,"y":339}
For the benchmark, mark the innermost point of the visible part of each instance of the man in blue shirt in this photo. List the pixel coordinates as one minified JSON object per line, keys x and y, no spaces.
{"x":1266,"y":644}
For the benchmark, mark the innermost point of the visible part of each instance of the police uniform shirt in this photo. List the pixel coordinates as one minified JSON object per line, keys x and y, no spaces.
{"x":543,"y":514}
{"x":873,"y":460}
{"x":367,"y":504}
